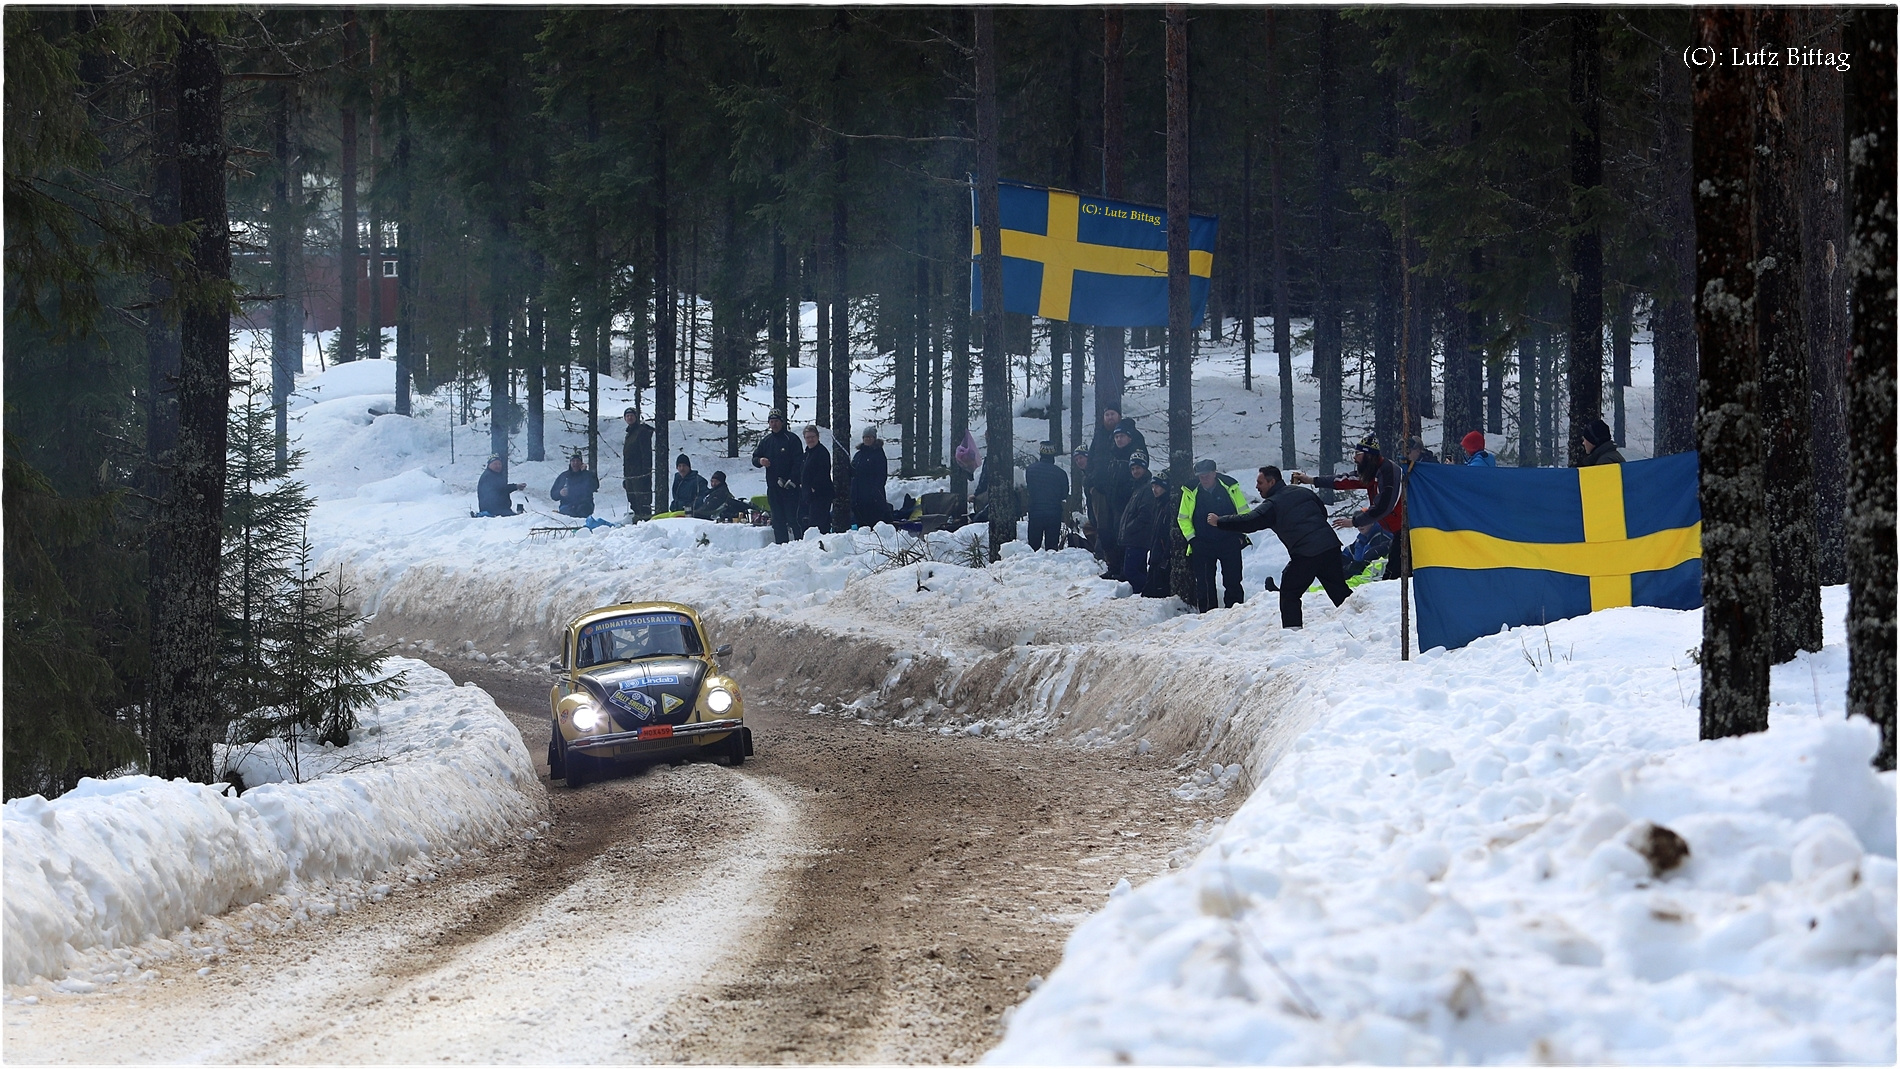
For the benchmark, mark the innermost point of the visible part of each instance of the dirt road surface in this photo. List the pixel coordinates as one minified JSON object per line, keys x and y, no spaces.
{"x":852,"y":894}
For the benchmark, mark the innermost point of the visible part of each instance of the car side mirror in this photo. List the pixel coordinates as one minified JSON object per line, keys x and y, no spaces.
{"x":554,"y":666}
{"x":725,"y":650}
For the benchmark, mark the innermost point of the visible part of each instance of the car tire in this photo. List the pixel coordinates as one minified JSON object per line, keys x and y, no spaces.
{"x":577,"y":767}
{"x":735,"y":749}
{"x":557,"y":755}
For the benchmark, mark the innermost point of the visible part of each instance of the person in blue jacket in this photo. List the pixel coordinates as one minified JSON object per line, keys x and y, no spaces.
{"x":574,"y":488}
{"x":689,"y":486}
{"x":1476,"y":456}
{"x":491,"y":492}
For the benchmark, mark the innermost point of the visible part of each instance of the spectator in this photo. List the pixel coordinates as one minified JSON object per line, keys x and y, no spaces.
{"x":870,"y":469}
{"x":492,"y":490}
{"x":1213,"y":494}
{"x":1093,"y":504}
{"x":1378,"y":523}
{"x":689,"y":487}
{"x":718,"y":504}
{"x":1160,"y":579}
{"x":1476,"y":456}
{"x":1138,"y":523}
{"x":1416,"y":453}
{"x":1047,"y":487}
{"x":1599,"y":449}
{"x":574,"y":488}
{"x":779,"y":455}
{"x":1298,"y":517}
{"x":814,"y":486}
{"x":636,"y":459}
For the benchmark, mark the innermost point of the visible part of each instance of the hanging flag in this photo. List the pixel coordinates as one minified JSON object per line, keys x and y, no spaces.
{"x":1090,"y":260}
{"x":1500,"y":547}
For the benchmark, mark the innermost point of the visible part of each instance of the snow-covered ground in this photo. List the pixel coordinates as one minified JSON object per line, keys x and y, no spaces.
{"x":118,"y":872}
{"x":1439,"y":860}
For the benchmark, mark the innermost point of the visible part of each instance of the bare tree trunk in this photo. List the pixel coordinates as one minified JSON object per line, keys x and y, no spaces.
{"x":1461,"y":414}
{"x":1526,"y":401}
{"x":536,"y":359}
{"x":1824,"y":289}
{"x":1282,"y":331}
{"x":1870,"y":259}
{"x":1782,"y":339}
{"x":999,"y":458}
{"x":187,"y":715}
{"x":1620,"y":329}
{"x":1180,"y":308}
{"x":840,"y":345}
{"x":1736,"y":585}
{"x":821,"y":362}
{"x":1111,"y":342}
{"x":1586,"y":248}
{"x":1326,"y":358}
{"x":349,"y":264}
{"x":959,"y":393}
{"x":1672,"y":326}
{"x":407,"y":291}
{"x":665,"y":312}
{"x":286,"y":231}
{"x":777,"y":324}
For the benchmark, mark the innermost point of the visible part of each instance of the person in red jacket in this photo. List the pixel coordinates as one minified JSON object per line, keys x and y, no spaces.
{"x":1378,"y":523}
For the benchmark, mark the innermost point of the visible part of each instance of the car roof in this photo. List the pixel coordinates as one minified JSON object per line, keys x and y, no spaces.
{"x":624,"y":608}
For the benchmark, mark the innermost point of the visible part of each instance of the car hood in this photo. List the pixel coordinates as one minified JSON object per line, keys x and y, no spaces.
{"x":658,"y":690}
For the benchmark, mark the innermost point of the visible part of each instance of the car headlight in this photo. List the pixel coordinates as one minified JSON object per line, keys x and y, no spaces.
{"x":718,"y":700}
{"x":587,"y":717}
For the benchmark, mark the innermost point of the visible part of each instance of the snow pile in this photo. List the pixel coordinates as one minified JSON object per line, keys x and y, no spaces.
{"x":115,"y":862}
{"x":1517,"y":852}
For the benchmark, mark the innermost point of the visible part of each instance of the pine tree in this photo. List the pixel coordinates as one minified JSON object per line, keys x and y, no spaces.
{"x":264,"y":516}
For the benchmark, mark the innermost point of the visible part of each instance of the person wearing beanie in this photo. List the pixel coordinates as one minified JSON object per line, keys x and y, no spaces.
{"x":491,"y":492}
{"x":870,"y":471}
{"x":815,"y":488}
{"x":1047,"y":487}
{"x":1160,"y":579}
{"x":1138,"y":523}
{"x":636,"y":465}
{"x":1476,"y":455}
{"x":781,"y":456}
{"x":1598,"y":448}
{"x":1378,"y":523}
{"x":718,"y":504}
{"x":575,"y":488}
{"x":1212,"y":494}
{"x":689,"y":486}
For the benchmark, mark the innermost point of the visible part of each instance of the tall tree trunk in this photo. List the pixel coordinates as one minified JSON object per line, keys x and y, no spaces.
{"x":1526,"y":401}
{"x":1111,"y":342}
{"x":1586,"y":248}
{"x":778,"y":324}
{"x":1282,"y":305}
{"x":498,"y":306}
{"x":286,"y":231}
{"x":1246,"y":257}
{"x":665,"y":326}
{"x":1870,"y":399}
{"x":1180,"y":307}
{"x":1782,"y":340}
{"x":162,"y":359}
{"x":1736,"y":585}
{"x":924,"y":455}
{"x":821,"y":362}
{"x":537,"y":364}
{"x":407,"y":265}
{"x":1824,"y":289}
{"x":349,"y":263}
{"x":1672,"y":325}
{"x":1620,"y":329}
{"x":959,"y":390}
{"x":186,"y":703}
{"x":375,"y":211}
{"x":1326,"y":361}
{"x":840,"y":341}
{"x":999,"y":449}
{"x":1461,"y":414}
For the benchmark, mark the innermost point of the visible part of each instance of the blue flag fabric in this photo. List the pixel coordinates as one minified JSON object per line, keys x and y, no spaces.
{"x":1090,"y":260}
{"x":1501,"y":547}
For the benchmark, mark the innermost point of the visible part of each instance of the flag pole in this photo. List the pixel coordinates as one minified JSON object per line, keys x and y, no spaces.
{"x":1401,"y":550}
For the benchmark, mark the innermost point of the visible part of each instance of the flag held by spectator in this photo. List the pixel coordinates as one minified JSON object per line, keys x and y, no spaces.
{"x":1090,"y":260}
{"x":1501,"y":547}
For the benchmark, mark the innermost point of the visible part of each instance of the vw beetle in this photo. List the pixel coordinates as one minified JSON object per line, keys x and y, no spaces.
{"x":641,"y":681}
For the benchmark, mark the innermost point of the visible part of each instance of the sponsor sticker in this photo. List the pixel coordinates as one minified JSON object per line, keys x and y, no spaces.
{"x":668,"y":703}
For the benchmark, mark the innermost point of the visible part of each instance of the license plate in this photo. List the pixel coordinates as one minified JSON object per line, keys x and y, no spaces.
{"x":657,"y":731}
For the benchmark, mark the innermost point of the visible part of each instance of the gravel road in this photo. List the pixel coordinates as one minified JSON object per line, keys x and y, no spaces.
{"x":851,"y":894}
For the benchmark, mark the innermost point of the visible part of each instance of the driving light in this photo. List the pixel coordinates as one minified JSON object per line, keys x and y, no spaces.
{"x":718,"y":700}
{"x":587,"y":717}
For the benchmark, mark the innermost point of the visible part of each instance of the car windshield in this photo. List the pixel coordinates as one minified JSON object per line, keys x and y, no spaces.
{"x":636,"y":635}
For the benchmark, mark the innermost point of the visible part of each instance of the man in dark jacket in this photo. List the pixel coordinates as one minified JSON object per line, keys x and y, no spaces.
{"x":1094,"y":509}
{"x":870,"y":470}
{"x":1160,"y":581}
{"x":492,"y":490}
{"x":1297,"y":516}
{"x":636,"y":459}
{"x":814,"y":486}
{"x":718,"y":504}
{"x":1212,"y":494}
{"x":1601,"y":450}
{"x":1379,"y":522}
{"x":574,"y":488}
{"x":1138,"y":523}
{"x":689,"y":486}
{"x":1047,"y":487}
{"x":779,"y":454}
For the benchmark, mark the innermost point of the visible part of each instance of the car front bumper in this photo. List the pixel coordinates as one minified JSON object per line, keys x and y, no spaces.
{"x":680,"y":733}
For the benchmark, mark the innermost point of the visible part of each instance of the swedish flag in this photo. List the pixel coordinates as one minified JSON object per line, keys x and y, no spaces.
{"x":1499,"y":547}
{"x":1090,"y":260}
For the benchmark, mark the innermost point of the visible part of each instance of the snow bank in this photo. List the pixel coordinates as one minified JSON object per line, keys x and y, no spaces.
{"x":1462,"y":863}
{"x":115,"y":862}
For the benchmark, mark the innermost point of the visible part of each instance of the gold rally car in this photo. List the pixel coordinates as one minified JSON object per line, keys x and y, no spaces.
{"x":641,"y":681}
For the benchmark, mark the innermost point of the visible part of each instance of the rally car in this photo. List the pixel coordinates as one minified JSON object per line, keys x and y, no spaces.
{"x":641,"y":682}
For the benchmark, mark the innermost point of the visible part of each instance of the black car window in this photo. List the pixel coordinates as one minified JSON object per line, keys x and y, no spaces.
{"x":636,"y":635}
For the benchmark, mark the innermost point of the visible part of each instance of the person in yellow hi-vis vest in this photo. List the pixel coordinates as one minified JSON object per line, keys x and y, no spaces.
{"x":1215,"y":494}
